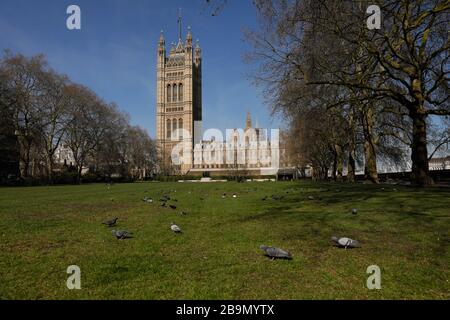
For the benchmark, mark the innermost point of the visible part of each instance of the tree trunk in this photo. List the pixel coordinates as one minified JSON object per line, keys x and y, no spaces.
{"x":370,"y":166}
{"x":80,"y":169}
{"x":351,"y":163}
{"x":419,"y":152}
{"x":50,"y":169}
{"x":335,"y":164}
{"x":351,"y":166}
{"x":339,"y":164}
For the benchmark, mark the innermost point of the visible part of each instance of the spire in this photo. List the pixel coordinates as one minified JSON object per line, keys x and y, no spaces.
{"x":198,"y":51}
{"x":248,"y":122}
{"x":189,"y":38}
{"x":162,"y":42}
{"x":189,"y":34}
{"x":179,"y":24}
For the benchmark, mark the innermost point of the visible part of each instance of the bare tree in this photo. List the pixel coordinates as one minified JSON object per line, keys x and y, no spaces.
{"x":327,"y":43}
{"x":54,"y":115}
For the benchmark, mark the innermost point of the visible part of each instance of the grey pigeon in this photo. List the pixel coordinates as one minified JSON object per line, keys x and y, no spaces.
{"x":111,"y":223}
{"x":354,"y":211}
{"x":172,"y":206}
{"x":345,"y":242}
{"x":121,"y":234}
{"x":175,"y":228}
{"x":276,"y":253}
{"x":147,"y":199}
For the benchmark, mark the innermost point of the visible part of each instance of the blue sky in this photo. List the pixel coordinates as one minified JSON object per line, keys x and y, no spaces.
{"x":115,"y":52}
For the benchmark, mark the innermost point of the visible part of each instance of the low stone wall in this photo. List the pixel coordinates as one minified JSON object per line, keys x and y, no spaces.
{"x":439,"y":176}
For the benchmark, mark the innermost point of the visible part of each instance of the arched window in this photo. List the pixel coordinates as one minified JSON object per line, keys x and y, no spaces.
{"x":169,"y":93}
{"x":168,"y":129}
{"x":180,"y":126}
{"x":174,"y":95}
{"x":174,"y":125}
{"x":180,"y":92}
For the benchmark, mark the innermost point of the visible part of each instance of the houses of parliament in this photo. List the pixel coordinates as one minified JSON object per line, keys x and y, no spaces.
{"x":179,"y":133}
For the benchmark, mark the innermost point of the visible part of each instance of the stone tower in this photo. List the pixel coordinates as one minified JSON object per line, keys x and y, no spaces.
{"x":179,"y":100}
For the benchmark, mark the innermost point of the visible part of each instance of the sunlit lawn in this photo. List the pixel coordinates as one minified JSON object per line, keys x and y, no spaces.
{"x":404,"y":231}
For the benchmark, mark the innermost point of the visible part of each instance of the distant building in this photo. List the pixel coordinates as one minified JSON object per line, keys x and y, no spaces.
{"x":64,"y":156}
{"x":179,"y":121}
{"x":439,"y":163}
{"x":251,"y":150}
{"x":179,"y":98}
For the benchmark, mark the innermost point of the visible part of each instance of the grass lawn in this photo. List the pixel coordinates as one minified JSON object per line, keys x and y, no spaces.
{"x":404,"y":231}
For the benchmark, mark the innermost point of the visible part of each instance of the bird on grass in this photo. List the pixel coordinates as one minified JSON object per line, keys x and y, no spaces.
{"x":345,"y":242}
{"x":147,"y":199}
{"x":276,"y":253}
{"x":164,"y":204}
{"x":110,"y":223}
{"x":121,"y":234}
{"x":172,"y":206}
{"x":354,"y":211}
{"x":183,"y":213}
{"x":175,"y":228}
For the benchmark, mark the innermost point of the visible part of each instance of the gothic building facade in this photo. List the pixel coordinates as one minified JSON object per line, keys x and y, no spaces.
{"x":179,"y":98}
{"x":179,"y":121}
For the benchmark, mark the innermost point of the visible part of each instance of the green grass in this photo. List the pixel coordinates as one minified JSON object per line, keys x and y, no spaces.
{"x":404,"y":231}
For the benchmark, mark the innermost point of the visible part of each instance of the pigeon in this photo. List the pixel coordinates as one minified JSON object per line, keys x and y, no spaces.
{"x":345,"y":242}
{"x":183,"y":213}
{"x":163,"y":204}
{"x":147,"y":199}
{"x":172,"y":206}
{"x":354,"y":211}
{"x":121,"y":234}
{"x":276,"y":253}
{"x":111,"y":223}
{"x":311,"y":198}
{"x":175,"y":228}
{"x":234,"y":196}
